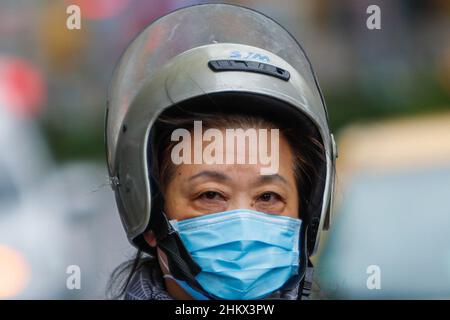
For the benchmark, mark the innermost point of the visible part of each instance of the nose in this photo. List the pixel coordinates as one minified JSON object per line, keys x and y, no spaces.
{"x":241,"y":200}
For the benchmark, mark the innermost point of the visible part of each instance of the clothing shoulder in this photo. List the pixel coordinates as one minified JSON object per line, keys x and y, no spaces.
{"x":147,"y":284}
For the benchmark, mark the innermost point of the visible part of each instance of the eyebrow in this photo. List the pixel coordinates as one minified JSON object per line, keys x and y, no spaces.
{"x":210,"y":174}
{"x":271,"y":178}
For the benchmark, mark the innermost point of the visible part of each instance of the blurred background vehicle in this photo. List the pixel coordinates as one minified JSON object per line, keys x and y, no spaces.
{"x":394,"y":212}
{"x":57,"y":210}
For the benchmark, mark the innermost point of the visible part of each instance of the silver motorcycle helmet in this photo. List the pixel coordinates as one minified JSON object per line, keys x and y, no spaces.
{"x":216,"y":52}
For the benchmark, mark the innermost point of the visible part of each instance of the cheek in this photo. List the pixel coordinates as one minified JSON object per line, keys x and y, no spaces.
{"x":293,"y":201}
{"x":287,"y":170}
{"x":174,"y":202}
{"x":170,"y":206}
{"x":293,"y":209}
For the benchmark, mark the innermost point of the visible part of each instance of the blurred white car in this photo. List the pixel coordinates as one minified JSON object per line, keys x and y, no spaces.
{"x":390,"y":238}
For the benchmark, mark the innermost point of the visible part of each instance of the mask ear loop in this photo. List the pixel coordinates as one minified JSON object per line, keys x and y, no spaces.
{"x":166,"y":275}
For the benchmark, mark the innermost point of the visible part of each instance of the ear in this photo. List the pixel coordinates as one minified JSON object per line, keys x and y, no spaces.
{"x":150,"y":237}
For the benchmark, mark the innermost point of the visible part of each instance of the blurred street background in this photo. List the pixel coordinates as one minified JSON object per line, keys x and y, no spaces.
{"x":388,"y":96}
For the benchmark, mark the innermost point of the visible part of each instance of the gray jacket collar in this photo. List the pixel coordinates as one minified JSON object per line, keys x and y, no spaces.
{"x":148,"y":284}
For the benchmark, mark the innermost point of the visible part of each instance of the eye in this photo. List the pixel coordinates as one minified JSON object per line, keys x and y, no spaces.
{"x":211,"y":195}
{"x":270,"y":202}
{"x":269,"y":196}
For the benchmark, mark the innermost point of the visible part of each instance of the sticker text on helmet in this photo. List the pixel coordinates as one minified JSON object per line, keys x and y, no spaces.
{"x":236,"y":54}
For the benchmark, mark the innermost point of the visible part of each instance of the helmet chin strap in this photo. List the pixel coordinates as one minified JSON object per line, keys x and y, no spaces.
{"x":307,"y":268}
{"x":306,"y":286}
{"x":181,"y":265}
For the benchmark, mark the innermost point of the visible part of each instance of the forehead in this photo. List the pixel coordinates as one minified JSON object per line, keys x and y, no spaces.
{"x":283,"y":156}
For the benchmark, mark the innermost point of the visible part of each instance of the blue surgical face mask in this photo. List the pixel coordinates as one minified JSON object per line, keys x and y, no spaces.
{"x":243,"y":254}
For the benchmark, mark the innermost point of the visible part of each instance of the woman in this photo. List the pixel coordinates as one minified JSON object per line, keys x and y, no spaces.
{"x":220,"y":156}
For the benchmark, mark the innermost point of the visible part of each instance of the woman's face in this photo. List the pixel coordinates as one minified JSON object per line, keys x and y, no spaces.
{"x":199,"y":189}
